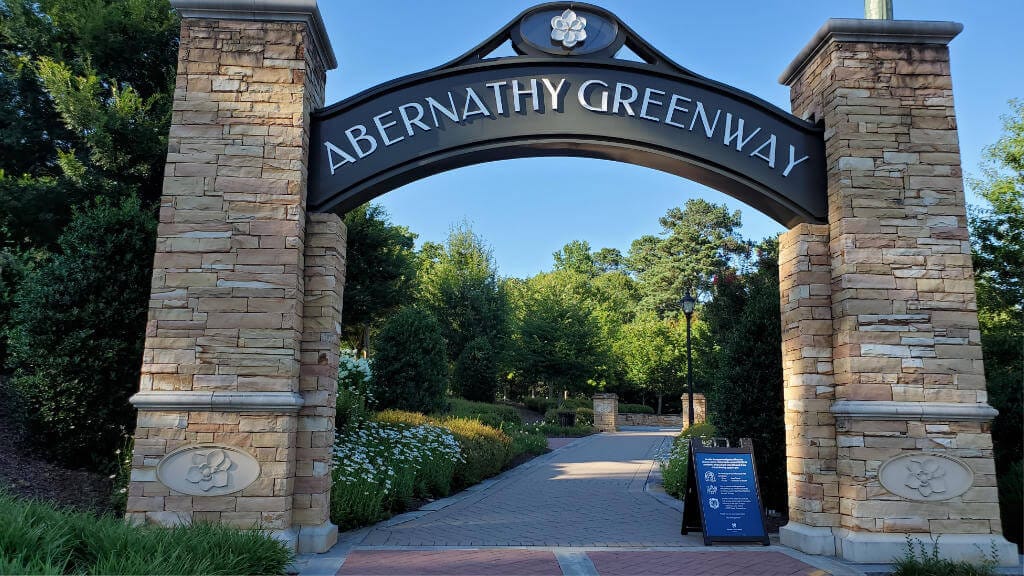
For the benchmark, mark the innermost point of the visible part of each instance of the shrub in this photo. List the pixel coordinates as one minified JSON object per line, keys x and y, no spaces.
{"x":409,"y":366}
{"x":556,"y":431}
{"x":541,"y":405}
{"x":674,"y":464}
{"x":486,"y":450}
{"x":526,"y":439}
{"x":635,"y":409}
{"x":1011,"y":501}
{"x":355,"y":397}
{"x":38,"y":538}
{"x":584,"y":417}
{"x":494,"y":415}
{"x":402,"y":417}
{"x":77,"y":333}
{"x":476,"y":371}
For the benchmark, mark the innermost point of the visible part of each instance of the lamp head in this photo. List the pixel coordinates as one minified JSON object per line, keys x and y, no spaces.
{"x":688,"y":303}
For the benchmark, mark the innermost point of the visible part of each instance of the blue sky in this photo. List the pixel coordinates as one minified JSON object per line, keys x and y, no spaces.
{"x":528,"y":208}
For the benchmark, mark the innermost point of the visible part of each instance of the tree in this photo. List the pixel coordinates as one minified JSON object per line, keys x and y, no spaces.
{"x":745,"y":396}
{"x":459,"y":285}
{"x":559,"y":340}
{"x":409,"y":370}
{"x":380,"y":271}
{"x":997,"y":244}
{"x":654,"y":353}
{"x":476,"y":370}
{"x":609,"y":260}
{"x":698,"y":243}
{"x":576,"y":257}
{"x":78,"y":329}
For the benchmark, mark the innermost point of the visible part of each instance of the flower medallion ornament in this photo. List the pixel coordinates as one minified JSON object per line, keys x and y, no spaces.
{"x":569,"y":29}
{"x":926,"y":476}
{"x":210,"y":469}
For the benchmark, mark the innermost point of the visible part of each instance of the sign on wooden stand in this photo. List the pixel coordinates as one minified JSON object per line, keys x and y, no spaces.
{"x":723,"y":498}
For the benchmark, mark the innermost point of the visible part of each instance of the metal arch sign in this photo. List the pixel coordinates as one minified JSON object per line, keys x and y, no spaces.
{"x":558,"y":100}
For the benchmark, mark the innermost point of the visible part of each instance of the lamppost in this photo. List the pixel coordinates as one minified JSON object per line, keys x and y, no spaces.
{"x":687,"y":303}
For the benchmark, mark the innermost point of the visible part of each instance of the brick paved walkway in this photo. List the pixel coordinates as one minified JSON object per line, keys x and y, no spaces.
{"x":581,"y":510}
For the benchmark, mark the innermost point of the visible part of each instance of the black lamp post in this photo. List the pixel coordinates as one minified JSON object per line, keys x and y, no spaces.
{"x":687,"y":303}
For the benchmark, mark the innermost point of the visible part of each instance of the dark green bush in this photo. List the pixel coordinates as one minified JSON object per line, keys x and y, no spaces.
{"x":635,"y":409}
{"x":485,"y":449}
{"x":584,"y":417}
{"x":409,"y":367}
{"x":37,"y":538}
{"x":77,"y":332}
{"x":541,"y":405}
{"x":1011,"y":501}
{"x":475,"y":376}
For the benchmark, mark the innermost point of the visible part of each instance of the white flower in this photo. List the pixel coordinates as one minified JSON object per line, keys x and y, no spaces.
{"x":569,"y":28}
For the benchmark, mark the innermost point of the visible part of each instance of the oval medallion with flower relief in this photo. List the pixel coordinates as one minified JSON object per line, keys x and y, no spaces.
{"x":208,"y":470}
{"x":924,"y":476}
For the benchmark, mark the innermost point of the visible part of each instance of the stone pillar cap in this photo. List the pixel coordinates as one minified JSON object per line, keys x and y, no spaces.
{"x":605,"y":395}
{"x":268,"y":10}
{"x":879,"y":31}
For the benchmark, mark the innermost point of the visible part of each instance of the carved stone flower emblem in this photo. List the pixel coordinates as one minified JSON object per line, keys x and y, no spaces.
{"x":926,"y":477}
{"x":209,"y":470}
{"x":569,"y":29}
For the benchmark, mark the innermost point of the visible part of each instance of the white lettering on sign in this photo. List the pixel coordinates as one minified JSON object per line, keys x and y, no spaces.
{"x":493,"y":100}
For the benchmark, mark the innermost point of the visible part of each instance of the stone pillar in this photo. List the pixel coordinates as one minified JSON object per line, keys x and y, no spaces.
{"x":808,"y":389}
{"x":220,"y":397}
{"x":318,"y":380}
{"x":606,"y":406}
{"x":700,"y":409}
{"x":912,"y":423}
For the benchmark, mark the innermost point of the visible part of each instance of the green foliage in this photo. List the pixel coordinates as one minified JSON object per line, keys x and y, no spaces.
{"x":409,"y":367}
{"x":380,"y":270}
{"x":559,"y":339}
{"x":475,"y":376}
{"x":745,"y":399}
{"x":525,"y":440}
{"x":918,"y":561}
{"x":698,"y":242}
{"x":556,"y":431}
{"x":486,"y":450}
{"x":494,"y":415}
{"x":36,"y":538}
{"x":458,"y":284}
{"x":635,"y":409}
{"x":653,"y":352}
{"x":1011,"y":500}
{"x":354,"y":398}
{"x":382,"y":464}
{"x":997,"y":242}
{"x":675,"y":464}
{"x":77,"y":333}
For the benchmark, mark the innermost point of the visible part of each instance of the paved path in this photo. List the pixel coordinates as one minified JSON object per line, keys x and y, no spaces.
{"x":584,"y":509}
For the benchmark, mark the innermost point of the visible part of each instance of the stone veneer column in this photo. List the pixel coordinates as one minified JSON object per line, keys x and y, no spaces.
{"x":808,"y":389}
{"x":318,"y":380}
{"x":700,"y":409}
{"x":909,"y":380}
{"x":606,"y":407}
{"x":226,"y":336}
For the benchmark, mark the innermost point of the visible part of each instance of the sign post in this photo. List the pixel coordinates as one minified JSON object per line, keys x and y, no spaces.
{"x":723,"y":498}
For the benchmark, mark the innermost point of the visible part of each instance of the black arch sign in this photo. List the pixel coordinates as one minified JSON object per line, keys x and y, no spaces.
{"x":653,"y":114}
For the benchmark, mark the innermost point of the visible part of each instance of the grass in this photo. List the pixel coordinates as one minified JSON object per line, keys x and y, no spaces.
{"x":918,"y":561}
{"x":39,"y":538}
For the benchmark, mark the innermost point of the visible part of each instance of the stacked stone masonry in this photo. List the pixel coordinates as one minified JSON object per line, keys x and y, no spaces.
{"x":808,"y":382}
{"x":903,"y":320}
{"x":230,"y":281}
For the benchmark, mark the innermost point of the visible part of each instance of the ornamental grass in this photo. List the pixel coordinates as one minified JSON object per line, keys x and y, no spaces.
{"x":39,"y":538}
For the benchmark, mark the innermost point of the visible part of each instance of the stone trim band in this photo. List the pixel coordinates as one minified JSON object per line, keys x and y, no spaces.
{"x":881,"y":410}
{"x":269,"y":10}
{"x":218,"y":401}
{"x":855,"y":30}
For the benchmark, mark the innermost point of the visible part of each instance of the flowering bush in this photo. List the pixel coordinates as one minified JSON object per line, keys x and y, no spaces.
{"x":355,"y":397}
{"x":379,"y":467}
{"x":674,"y":464}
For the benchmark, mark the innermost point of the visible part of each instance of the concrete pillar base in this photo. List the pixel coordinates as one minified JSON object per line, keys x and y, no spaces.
{"x":289,"y":536}
{"x":872,"y":547}
{"x":815,"y":540}
{"x":317,"y":539}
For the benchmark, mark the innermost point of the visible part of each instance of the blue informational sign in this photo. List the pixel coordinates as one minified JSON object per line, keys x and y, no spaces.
{"x":728,"y":494}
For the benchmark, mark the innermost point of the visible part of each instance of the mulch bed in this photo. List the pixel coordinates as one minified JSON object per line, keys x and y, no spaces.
{"x":26,"y":474}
